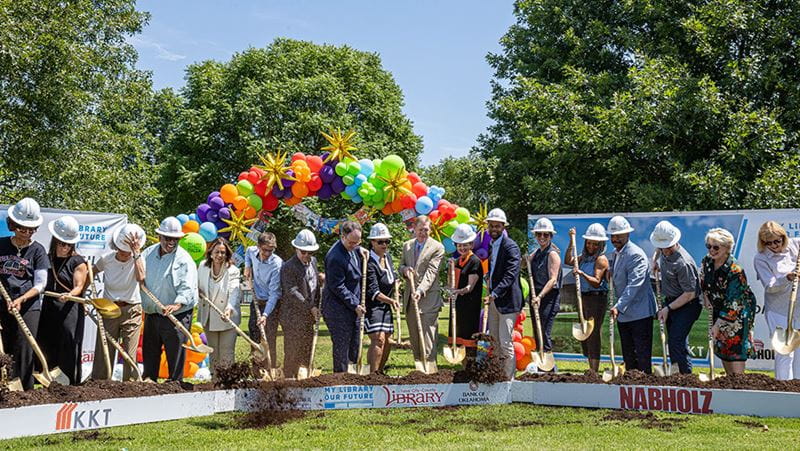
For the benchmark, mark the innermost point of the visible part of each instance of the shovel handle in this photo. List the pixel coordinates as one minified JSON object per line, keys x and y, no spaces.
{"x":125,"y":356}
{"x":168,"y":315}
{"x":364,"y":261}
{"x":575,"y":269}
{"x":537,"y":320}
{"x":238,"y":330}
{"x":101,"y":329}
{"x":28,"y":335}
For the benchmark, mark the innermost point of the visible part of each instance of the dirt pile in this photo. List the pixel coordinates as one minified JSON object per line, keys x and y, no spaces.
{"x":274,"y":407}
{"x":646,"y":420}
{"x":489,"y":370}
{"x":6,"y":361}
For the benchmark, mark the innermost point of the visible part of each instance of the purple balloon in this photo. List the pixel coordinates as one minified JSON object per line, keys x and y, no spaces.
{"x":327,"y":174}
{"x":482,"y":253}
{"x":288,"y":183}
{"x":277,"y":191}
{"x":211,"y":196}
{"x":202,"y":209}
{"x":225,"y":213}
{"x":325,"y":192}
{"x":219,"y":224}
{"x":287,"y":192}
{"x":325,"y":155}
{"x":337,"y":185}
{"x":212,"y":216}
{"x":216,"y":203}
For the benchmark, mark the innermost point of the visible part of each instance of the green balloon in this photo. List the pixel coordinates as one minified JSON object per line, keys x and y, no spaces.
{"x":341,"y":169}
{"x":462,"y":215}
{"x":525,"y":288}
{"x":194,"y":244}
{"x":353,"y":168}
{"x":244,"y":187}
{"x":392,"y":165}
{"x":255,"y":201}
{"x":345,"y":196}
{"x":348,"y":179}
{"x":363,"y":191}
{"x":450,"y":227}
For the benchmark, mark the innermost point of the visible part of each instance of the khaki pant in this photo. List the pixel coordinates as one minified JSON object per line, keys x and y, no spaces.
{"x":126,"y":330}
{"x":224,"y":344}
{"x":430,"y":334}
{"x":501,"y":327}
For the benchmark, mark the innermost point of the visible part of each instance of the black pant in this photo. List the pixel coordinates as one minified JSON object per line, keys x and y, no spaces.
{"x":61,"y":336}
{"x":594,"y":306}
{"x":271,"y":328}
{"x":158,"y":331}
{"x":15,"y":343}
{"x":344,"y":334}
{"x":679,"y":325}
{"x":636,"y":338}
{"x":548,"y":308}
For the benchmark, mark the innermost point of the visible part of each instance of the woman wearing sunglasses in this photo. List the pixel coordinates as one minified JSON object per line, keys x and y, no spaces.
{"x":380,"y":300}
{"x":726,"y":290}
{"x":545,"y":263}
{"x":469,"y":287}
{"x":775,"y":267}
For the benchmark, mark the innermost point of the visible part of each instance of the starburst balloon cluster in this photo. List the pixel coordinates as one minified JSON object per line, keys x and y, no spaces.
{"x":383,"y":185}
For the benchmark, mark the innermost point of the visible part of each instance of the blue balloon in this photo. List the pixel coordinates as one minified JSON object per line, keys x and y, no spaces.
{"x":448,"y":244}
{"x":424,"y":205}
{"x":357,"y":199}
{"x":351,"y":190}
{"x":360,"y":178}
{"x":183,"y":218}
{"x":208,"y":231}
{"x":193,"y":217}
{"x":367,"y":167}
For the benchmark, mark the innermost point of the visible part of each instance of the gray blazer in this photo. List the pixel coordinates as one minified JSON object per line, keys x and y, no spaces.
{"x":631,"y":277}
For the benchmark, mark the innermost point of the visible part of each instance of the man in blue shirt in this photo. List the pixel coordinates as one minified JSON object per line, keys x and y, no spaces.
{"x":262,"y":268}
{"x":171,"y":276}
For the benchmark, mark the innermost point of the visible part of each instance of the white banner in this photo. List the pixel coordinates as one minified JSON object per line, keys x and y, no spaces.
{"x":96,"y":230}
{"x":743,"y":224}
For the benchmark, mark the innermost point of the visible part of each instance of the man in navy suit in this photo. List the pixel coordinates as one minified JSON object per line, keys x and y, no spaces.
{"x":635,"y":305}
{"x":505,"y":293}
{"x":341,"y":298}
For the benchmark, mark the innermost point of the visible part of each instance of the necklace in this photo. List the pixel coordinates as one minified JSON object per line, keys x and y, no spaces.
{"x":217,"y":276}
{"x":19,"y":248}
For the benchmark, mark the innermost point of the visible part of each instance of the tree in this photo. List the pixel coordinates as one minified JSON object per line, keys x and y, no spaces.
{"x":640,"y":106}
{"x":73,"y":110}
{"x":465,"y":180}
{"x":279,"y":98}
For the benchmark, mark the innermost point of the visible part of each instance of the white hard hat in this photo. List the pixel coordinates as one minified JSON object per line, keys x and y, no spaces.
{"x":379,"y":232}
{"x":595,"y":232}
{"x":26,"y":213}
{"x":619,"y":225}
{"x":665,"y":235}
{"x":463,"y":234}
{"x":305,"y":241}
{"x":544,"y":225}
{"x":123,"y":232}
{"x":497,"y":215}
{"x":65,"y":229}
{"x":170,"y":227}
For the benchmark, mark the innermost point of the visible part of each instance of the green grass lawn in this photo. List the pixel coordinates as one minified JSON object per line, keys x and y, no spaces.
{"x":517,"y":425}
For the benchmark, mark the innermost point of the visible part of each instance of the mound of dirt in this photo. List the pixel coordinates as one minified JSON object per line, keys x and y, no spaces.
{"x":646,"y":420}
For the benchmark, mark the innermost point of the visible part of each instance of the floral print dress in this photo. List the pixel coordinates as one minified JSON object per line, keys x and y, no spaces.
{"x":734,"y":303}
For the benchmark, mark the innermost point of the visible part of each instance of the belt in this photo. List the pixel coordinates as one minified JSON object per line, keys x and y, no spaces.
{"x":261,"y":302}
{"x":122,"y":303}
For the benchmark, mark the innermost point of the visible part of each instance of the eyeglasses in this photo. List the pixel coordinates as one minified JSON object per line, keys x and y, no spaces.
{"x":773,"y":242}
{"x":306,"y":252}
{"x":383,"y":242}
{"x":169,"y":239}
{"x":542,"y":234}
{"x":712,"y":246}
{"x":26,"y":229}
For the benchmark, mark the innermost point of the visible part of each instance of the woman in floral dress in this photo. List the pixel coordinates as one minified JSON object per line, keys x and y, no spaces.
{"x":726,"y":290}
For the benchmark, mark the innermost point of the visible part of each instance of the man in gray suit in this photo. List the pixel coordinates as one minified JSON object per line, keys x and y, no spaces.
{"x":422,"y":257}
{"x":635,"y":305}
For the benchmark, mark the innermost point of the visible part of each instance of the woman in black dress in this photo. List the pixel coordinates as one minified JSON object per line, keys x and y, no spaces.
{"x":469,"y":274}
{"x":61,"y":325}
{"x":380,"y":301}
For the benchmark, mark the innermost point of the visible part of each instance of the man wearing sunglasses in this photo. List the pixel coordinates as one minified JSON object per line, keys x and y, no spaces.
{"x":635,"y":305}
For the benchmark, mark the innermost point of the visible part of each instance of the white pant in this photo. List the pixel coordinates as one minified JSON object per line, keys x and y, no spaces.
{"x":786,"y":366}
{"x":501,"y":327}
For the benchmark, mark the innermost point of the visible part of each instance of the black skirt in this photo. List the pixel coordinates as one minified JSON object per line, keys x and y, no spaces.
{"x":379,"y":318}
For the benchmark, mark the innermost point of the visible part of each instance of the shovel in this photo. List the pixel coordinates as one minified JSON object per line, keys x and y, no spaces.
{"x":48,"y":376}
{"x":665,"y":369}
{"x":710,"y":376}
{"x":616,"y":370}
{"x":258,"y":351}
{"x":785,"y":341}
{"x":543,"y":361}
{"x":101,"y":327}
{"x":482,"y":346}
{"x":304,"y":372}
{"x":106,"y":307}
{"x":582,"y":330}
{"x":452,"y":352}
{"x":420,"y":365}
{"x":14,"y":384}
{"x":125,"y":356}
{"x":359,"y":368}
{"x":269,"y":374}
{"x":201,"y":348}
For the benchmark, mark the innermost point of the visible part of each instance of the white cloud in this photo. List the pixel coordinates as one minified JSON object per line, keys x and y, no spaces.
{"x":141,"y":42}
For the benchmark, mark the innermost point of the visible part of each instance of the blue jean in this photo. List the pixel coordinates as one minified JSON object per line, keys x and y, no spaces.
{"x":679,"y":324}
{"x":548,"y":308}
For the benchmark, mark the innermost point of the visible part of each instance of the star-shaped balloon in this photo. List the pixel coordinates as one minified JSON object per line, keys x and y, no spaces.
{"x":437,"y":227}
{"x":274,"y":170}
{"x":339,"y":145}
{"x":395,"y":186}
{"x":479,"y":218}
{"x":237,"y":226}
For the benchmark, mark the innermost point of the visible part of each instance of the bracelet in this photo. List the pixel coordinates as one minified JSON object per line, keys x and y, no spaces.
{"x":669,"y":307}
{"x":136,"y":256}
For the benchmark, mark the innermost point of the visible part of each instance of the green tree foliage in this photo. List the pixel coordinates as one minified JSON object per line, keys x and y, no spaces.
{"x":280,"y":98}
{"x":75,"y":116}
{"x":645,"y":106}
{"x":465,"y":179}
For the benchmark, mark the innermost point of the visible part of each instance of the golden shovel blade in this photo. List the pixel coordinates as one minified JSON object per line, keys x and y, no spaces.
{"x":455,"y":354}
{"x":582,"y":331}
{"x":201,"y":348}
{"x":258,"y":353}
{"x":785,"y":341}
{"x":14,"y":385}
{"x":106,"y":307}
{"x":544,"y":362}
{"x":615,"y":372}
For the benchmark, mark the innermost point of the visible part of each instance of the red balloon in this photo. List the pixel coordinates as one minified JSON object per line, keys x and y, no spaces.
{"x":315,"y":163}
{"x":315,"y":183}
{"x":519,"y":350}
{"x":419,"y":189}
{"x":260,"y":188}
{"x":387,"y":209}
{"x":516,"y":336}
{"x":413,"y":178}
{"x":434,"y":215}
{"x":397,"y":205}
{"x":298,"y":156}
{"x":522,"y":316}
{"x":270,"y":202}
{"x":253,"y":177}
{"x":409,"y":201}
{"x":242,"y":175}
{"x":258,"y":171}
{"x":442,"y":202}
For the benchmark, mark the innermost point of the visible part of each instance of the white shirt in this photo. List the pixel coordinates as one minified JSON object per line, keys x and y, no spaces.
{"x":119,"y":279}
{"x":771,"y":270}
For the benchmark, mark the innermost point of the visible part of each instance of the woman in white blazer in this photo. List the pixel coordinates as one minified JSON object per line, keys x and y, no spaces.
{"x":218,"y":281}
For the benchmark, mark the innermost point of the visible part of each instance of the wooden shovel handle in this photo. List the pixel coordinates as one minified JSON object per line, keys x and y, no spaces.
{"x":238,"y":330}
{"x":28,"y":335}
{"x":168,"y":315}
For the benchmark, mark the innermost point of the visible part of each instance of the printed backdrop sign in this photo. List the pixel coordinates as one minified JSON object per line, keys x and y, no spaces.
{"x":743,"y":224}
{"x":96,"y":230}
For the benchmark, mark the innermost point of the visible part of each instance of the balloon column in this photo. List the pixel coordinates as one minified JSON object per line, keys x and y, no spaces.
{"x":523,"y":345}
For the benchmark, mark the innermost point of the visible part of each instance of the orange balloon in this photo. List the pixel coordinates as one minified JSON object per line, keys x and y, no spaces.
{"x":524,"y":362}
{"x":485,"y":265}
{"x":189,"y":368}
{"x":191,"y":226}
{"x":291,"y":201}
{"x":529,"y":343}
{"x":299,"y":190}
{"x":163,"y":368}
{"x":387,"y":209}
{"x":240,"y":203}
{"x":250,"y":213}
{"x":228,"y":193}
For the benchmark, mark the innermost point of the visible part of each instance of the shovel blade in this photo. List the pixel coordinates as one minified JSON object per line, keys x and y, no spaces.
{"x":14,"y":385}
{"x":785,"y":342}
{"x":42,"y":379}
{"x":544,"y":361}
{"x":451,"y":354}
{"x":352,"y":368}
{"x":302,"y":373}
{"x":258,"y":353}
{"x":203,"y":349}
{"x":660,"y":371}
{"x":364,"y":370}
{"x":419,"y":366}
{"x":582,"y":331}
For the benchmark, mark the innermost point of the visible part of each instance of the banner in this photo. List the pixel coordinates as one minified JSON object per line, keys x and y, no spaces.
{"x":743,"y":224}
{"x":96,"y":230}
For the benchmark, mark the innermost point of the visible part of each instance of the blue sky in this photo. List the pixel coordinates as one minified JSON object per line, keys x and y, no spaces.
{"x":435,"y":49}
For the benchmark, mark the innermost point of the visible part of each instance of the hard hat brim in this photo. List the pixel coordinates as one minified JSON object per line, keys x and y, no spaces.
{"x":663,"y":244}
{"x":170,"y":234}
{"x":23,"y":222}
{"x":59,"y":237}
{"x":311,"y":248}
{"x":594,"y":238}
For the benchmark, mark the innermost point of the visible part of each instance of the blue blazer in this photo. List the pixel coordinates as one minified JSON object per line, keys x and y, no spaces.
{"x":342,"y":293}
{"x":504,"y":283}
{"x":631,"y":275}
